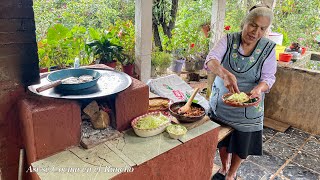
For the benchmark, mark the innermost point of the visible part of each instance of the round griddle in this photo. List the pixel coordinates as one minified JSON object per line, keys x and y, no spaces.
{"x":110,"y":82}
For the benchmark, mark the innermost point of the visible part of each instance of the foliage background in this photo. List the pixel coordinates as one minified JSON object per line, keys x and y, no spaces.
{"x":86,"y":13}
{"x":297,"y":20}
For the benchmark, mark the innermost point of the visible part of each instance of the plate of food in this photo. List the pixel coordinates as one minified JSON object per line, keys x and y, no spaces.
{"x":158,"y":104}
{"x":151,"y":124}
{"x":240,"y":99}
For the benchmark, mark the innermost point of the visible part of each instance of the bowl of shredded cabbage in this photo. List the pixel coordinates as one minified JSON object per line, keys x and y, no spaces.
{"x":176,"y":131}
{"x":240,"y":99}
{"x":150,"y":124}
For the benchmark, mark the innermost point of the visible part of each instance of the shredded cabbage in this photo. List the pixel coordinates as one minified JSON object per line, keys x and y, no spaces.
{"x":176,"y":129}
{"x":152,"y":121}
{"x":239,"y":97}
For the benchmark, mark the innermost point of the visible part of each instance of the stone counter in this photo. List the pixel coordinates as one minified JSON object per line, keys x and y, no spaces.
{"x":294,"y":98}
{"x":155,"y":157}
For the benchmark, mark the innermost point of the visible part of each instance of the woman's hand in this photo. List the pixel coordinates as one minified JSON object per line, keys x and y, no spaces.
{"x":255,"y":92}
{"x":230,"y":82}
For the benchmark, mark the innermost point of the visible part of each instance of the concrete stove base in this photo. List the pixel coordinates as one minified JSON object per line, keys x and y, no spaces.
{"x":191,"y":160}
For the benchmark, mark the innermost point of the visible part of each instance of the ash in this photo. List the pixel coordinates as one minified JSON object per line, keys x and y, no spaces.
{"x":88,"y":132}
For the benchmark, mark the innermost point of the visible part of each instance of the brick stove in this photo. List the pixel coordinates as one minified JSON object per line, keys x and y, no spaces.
{"x":49,"y":125}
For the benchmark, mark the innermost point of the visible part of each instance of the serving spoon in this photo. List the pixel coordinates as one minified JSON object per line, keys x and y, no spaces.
{"x":187,"y":107}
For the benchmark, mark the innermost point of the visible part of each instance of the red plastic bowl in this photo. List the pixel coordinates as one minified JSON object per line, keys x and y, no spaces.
{"x":285,"y":57}
{"x":304,"y":49}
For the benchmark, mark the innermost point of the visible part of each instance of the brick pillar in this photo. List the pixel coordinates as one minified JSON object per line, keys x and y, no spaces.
{"x":130,"y":103}
{"x":48,"y":126}
{"x":18,"y":68}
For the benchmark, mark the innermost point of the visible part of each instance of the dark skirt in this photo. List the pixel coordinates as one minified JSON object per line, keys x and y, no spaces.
{"x":243,"y":143}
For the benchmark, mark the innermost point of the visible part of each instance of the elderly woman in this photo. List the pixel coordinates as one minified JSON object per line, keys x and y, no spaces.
{"x":243,"y":62}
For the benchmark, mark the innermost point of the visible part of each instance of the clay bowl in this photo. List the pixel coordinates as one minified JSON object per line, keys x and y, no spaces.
{"x":152,"y":131}
{"x":251,"y":102}
{"x":173,"y":108}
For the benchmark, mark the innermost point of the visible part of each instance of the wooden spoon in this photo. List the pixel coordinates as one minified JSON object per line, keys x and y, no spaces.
{"x":51,"y":85}
{"x":187,"y":106}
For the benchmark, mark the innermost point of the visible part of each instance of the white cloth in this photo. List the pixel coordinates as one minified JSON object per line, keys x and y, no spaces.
{"x":174,"y":88}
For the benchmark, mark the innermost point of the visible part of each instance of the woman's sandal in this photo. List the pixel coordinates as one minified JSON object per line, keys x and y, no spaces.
{"x":235,"y":178}
{"x":218,"y":176}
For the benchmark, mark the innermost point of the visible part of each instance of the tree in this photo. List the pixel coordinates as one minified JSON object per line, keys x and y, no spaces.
{"x":163,"y":17}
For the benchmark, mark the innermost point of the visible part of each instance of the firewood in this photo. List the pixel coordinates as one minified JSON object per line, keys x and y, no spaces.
{"x":100,"y":120}
{"x":91,"y":108}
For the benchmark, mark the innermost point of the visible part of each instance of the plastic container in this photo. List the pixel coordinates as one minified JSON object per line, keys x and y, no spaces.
{"x":276,"y":37}
{"x":76,"y":63}
{"x":285,"y":57}
{"x":279,"y":49}
{"x":304,"y":49}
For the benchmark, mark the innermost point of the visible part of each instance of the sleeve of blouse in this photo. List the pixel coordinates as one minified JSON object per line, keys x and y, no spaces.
{"x":269,"y":70}
{"x":217,"y":52}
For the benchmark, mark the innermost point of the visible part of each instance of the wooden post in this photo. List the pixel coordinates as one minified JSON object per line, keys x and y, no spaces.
{"x":217,"y":27}
{"x":270,"y":3}
{"x":143,"y":36}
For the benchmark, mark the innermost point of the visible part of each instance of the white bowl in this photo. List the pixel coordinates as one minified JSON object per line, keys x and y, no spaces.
{"x":175,"y":135}
{"x":149,"y":132}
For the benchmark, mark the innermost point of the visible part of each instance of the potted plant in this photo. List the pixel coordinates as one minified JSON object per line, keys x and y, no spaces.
{"x":179,"y":61}
{"x":160,"y":61}
{"x":124,"y":35}
{"x":127,"y":63}
{"x":60,"y":46}
{"x":105,"y":51}
{"x":44,"y":61}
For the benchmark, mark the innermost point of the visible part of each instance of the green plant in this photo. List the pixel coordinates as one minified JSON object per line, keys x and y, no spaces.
{"x":104,"y":47}
{"x":44,"y":60}
{"x":97,"y":14}
{"x":61,"y":46}
{"x":124,"y":33}
{"x":161,"y":60}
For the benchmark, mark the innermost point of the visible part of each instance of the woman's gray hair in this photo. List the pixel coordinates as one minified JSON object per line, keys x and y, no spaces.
{"x":257,"y":12}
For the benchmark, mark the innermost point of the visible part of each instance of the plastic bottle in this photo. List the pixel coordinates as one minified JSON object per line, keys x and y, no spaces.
{"x":76,"y":63}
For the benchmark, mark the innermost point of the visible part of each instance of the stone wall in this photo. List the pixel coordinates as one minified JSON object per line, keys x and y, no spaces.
{"x":294,"y":99}
{"x":18,"y":68}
